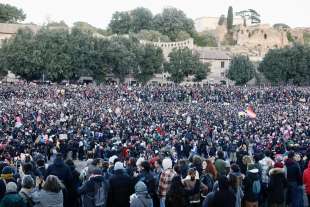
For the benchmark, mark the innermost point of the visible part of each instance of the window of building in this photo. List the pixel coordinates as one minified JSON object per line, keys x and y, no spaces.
{"x":265,"y":36}
{"x":222,"y":64}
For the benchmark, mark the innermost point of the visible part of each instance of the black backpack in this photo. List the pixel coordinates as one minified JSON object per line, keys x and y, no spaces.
{"x":30,"y":202}
{"x":207,"y":180}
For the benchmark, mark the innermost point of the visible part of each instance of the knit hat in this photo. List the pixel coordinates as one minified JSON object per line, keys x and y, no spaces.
{"x":140,"y":187}
{"x":7,"y":173}
{"x":279,"y":158}
{"x":167,"y":163}
{"x":27,"y":182}
{"x":119,"y":166}
{"x":11,"y":187}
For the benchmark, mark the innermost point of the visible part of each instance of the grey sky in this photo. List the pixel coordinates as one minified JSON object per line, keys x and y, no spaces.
{"x":99,"y":12}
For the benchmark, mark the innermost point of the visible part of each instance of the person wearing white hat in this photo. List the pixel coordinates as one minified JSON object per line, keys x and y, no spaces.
{"x":119,"y":187}
{"x":165,"y":180}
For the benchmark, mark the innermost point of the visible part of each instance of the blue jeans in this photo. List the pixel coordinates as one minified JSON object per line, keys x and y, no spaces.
{"x":295,"y":195}
{"x":162,"y":202}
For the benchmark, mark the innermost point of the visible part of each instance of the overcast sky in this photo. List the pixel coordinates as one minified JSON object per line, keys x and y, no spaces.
{"x":295,"y":13}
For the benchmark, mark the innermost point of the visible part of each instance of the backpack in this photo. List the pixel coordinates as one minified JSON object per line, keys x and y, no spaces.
{"x":208,"y":181}
{"x":30,"y":202}
{"x":100,"y":194}
{"x":256,"y":187}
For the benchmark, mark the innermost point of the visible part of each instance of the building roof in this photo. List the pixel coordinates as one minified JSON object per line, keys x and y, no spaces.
{"x":13,"y":28}
{"x":212,"y":54}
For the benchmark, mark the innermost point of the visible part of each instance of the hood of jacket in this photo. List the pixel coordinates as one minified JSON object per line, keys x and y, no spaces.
{"x":275,"y":171}
{"x":96,"y":178}
{"x":58,"y":162}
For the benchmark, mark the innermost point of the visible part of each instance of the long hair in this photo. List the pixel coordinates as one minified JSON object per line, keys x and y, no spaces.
{"x":52,"y":184}
{"x":211,"y":168}
{"x":176,"y":194}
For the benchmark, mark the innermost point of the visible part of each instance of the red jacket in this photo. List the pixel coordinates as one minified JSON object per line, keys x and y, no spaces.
{"x":307,"y":179}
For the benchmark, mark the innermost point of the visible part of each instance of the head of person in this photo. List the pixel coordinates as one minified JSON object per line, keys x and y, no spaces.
{"x":145,"y":166}
{"x":291,"y":155}
{"x":59,"y":156}
{"x":176,"y":185}
{"x":220,"y":155}
{"x":167,"y":164}
{"x":223,"y":183}
{"x":119,"y":166}
{"x":158,"y":163}
{"x":27,"y":168}
{"x":7,"y":173}
{"x":192,"y":173}
{"x":204,"y":165}
{"x":52,"y":184}
{"x":140,"y":187}
{"x":27,"y":182}
{"x":11,"y":187}
{"x":97,"y":162}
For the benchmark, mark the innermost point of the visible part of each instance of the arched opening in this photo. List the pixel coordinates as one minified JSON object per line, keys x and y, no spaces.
{"x":265,"y":36}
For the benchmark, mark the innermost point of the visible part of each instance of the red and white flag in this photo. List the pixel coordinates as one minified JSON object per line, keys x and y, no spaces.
{"x":250,"y":112}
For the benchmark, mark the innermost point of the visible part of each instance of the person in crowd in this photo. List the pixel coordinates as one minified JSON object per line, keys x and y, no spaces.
{"x":27,"y":189}
{"x":12,"y":198}
{"x":277,"y":185}
{"x":8,"y":174}
{"x":149,"y":179}
{"x":165,"y":180}
{"x":266,"y":164}
{"x":252,"y":187}
{"x":141,"y":197}
{"x":94,"y":190}
{"x":294,"y":181}
{"x":306,"y":181}
{"x":76,"y":183}
{"x":235,"y":180}
{"x":220,"y":164}
{"x":50,"y":193}
{"x":224,"y":197}
{"x":190,"y":182}
{"x":120,"y":187}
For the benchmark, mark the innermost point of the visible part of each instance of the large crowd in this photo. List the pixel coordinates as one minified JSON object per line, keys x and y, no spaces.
{"x":154,"y":146}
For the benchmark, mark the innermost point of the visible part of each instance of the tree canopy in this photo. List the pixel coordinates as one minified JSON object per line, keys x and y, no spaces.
{"x":230,"y":18}
{"x":287,"y":65}
{"x":171,"y":22}
{"x":183,"y":63}
{"x":62,"y":55}
{"x":241,"y":70}
{"x":11,"y":14}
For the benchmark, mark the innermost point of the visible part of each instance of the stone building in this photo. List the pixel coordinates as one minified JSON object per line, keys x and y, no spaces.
{"x":167,"y":47}
{"x":211,"y":23}
{"x":10,"y":30}
{"x":218,"y":61}
{"x":260,"y":38}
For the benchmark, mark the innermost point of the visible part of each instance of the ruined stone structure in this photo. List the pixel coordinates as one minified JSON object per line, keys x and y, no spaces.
{"x":211,"y":23}
{"x":167,"y":47}
{"x":10,"y":30}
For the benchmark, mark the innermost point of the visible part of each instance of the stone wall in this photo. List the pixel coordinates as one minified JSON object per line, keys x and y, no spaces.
{"x":260,"y":38}
{"x":211,"y":23}
{"x":167,"y":47}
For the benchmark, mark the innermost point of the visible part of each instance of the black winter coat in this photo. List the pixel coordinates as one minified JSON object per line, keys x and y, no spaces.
{"x":277,"y":185}
{"x":248,"y":187}
{"x":293,"y":172}
{"x":120,"y":189}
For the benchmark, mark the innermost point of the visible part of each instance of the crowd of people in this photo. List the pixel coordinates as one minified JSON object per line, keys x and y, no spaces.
{"x":154,"y":146}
